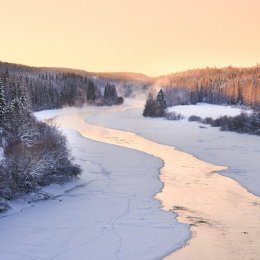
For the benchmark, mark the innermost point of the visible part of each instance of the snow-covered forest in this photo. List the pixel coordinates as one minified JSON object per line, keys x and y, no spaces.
{"x":235,"y":86}
{"x":32,"y":153}
{"x":47,"y":89}
{"x":55,"y":87}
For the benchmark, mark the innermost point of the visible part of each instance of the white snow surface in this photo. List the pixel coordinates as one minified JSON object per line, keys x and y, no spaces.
{"x":204,"y":110}
{"x":1,"y":153}
{"x":239,"y":152}
{"x":109,"y":213}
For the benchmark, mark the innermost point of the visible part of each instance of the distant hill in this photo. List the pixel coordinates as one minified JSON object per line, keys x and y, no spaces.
{"x":124,"y":76}
{"x":120,"y":76}
{"x":213,"y":85}
{"x":225,"y":85}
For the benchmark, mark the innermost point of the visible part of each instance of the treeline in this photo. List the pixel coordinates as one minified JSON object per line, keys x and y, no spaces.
{"x":155,"y":106}
{"x":54,"y":88}
{"x":32,"y":153}
{"x":48,"y":89}
{"x":234,"y":86}
{"x":243,"y":123}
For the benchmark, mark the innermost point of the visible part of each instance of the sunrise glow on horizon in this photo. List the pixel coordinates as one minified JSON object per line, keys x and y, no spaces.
{"x":146,"y":36}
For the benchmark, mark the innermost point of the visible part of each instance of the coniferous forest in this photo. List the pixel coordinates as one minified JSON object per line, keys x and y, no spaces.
{"x":234,"y":86}
{"x":34,"y":154}
{"x":48,"y":88}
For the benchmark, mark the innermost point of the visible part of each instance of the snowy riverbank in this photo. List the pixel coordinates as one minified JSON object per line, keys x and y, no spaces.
{"x":217,"y":208}
{"x":204,"y":110}
{"x":112,"y":207}
{"x":239,"y":152}
{"x":109,"y":213}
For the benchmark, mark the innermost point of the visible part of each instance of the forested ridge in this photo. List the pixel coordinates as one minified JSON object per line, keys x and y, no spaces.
{"x":56,"y":87}
{"x":235,"y":86}
{"x":48,"y":89}
{"x":32,"y":153}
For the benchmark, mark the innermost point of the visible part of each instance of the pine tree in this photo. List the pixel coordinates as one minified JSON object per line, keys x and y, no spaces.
{"x":161,"y":99}
{"x":17,"y":114}
{"x":151,"y":107}
{"x":110,"y":94}
{"x":162,"y":103}
{"x":113,"y":92}
{"x":19,"y":101}
{"x":2,"y":103}
{"x":91,"y":91}
{"x":107,"y":91}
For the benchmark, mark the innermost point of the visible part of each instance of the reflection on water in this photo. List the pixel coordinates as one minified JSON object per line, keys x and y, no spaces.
{"x":224,"y":217}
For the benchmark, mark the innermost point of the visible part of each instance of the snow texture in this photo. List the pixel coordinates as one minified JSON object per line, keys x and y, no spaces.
{"x":108,"y":214}
{"x":239,"y":152}
{"x":204,"y":110}
{"x":1,"y":153}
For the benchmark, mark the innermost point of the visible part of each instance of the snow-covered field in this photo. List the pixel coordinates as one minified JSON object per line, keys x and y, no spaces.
{"x":204,"y":110}
{"x":239,"y":152}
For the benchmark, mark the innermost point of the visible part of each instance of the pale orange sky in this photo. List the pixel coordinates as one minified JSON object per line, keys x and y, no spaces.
{"x":150,"y":36}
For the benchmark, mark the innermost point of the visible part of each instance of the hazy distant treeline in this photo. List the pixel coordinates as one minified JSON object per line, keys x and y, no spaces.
{"x":217,"y":86}
{"x":48,"y":89}
{"x":52,"y":88}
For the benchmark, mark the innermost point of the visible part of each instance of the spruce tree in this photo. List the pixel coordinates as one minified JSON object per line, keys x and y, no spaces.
{"x":162,"y":103}
{"x":107,"y":91}
{"x":161,"y":99}
{"x":113,"y":92}
{"x":2,"y":103}
{"x":91,"y":91}
{"x":151,"y":107}
{"x":17,"y":113}
{"x":110,"y":92}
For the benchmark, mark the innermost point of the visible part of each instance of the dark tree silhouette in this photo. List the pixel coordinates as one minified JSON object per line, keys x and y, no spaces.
{"x":2,"y":103}
{"x":151,"y":107}
{"x":33,"y":153}
{"x":162,"y":103}
{"x":91,"y":91}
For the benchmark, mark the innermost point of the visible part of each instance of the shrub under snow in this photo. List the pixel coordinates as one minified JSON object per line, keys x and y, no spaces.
{"x":33,"y":154}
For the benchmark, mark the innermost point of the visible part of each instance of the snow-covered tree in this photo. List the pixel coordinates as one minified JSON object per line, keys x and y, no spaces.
{"x":91,"y":91}
{"x":19,"y":101}
{"x":110,"y":92}
{"x":161,"y":99}
{"x":2,"y":103}
{"x":35,"y":154}
{"x":151,"y":107}
{"x":155,"y":107}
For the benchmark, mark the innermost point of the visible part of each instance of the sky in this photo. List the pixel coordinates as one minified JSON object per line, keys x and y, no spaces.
{"x":153,"y":37}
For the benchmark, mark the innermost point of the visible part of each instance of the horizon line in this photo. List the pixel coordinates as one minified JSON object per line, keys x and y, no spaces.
{"x":131,"y":72}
